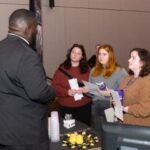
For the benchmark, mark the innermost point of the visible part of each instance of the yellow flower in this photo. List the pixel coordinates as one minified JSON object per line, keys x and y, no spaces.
{"x":79,"y":139}
{"x":72,"y":138}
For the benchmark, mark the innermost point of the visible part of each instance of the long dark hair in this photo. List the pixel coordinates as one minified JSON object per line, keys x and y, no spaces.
{"x":144,"y":55}
{"x":83,"y":62}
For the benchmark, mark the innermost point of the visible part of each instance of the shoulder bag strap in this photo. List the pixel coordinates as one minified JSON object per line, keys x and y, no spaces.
{"x":69,"y":76}
{"x":65,"y":73}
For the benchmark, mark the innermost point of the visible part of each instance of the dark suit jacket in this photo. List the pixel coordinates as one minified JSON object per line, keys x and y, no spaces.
{"x":92,"y":61}
{"x":24,"y":94}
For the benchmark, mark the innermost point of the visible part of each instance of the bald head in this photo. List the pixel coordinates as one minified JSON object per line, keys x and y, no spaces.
{"x":23,"y":23}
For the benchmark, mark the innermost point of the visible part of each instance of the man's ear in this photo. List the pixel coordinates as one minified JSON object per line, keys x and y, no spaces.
{"x":141,"y":64}
{"x":28,"y":34}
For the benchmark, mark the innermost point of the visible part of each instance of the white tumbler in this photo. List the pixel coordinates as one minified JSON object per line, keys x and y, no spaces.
{"x":54,"y":127}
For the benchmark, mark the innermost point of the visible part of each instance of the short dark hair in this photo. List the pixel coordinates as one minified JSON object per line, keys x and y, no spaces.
{"x":144,"y":55}
{"x":21,"y":15}
{"x":83,"y":62}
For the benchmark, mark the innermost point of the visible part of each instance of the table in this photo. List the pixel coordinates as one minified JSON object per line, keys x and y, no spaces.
{"x":79,"y":126}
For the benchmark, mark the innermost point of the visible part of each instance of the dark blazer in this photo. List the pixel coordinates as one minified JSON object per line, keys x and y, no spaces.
{"x":24,"y":94}
{"x":92,"y":61}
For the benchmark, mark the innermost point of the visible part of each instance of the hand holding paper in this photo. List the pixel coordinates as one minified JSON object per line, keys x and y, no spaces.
{"x":93,"y":88}
{"x":105,"y":93}
{"x":74,"y":85}
{"x":97,"y":89}
{"x":118,"y":105}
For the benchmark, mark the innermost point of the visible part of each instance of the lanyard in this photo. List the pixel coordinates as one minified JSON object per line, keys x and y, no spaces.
{"x":129,"y":83}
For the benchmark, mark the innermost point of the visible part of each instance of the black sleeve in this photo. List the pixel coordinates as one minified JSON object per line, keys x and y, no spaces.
{"x":92,"y":61}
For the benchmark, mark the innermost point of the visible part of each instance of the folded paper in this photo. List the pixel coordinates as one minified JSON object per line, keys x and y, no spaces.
{"x":74,"y":85}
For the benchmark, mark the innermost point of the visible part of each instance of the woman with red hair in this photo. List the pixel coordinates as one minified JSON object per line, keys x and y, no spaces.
{"x":106,"y":70}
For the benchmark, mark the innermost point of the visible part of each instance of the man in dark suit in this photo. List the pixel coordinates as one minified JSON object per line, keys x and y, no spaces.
{"x":92,"y":59}
{"x":24,"y":92}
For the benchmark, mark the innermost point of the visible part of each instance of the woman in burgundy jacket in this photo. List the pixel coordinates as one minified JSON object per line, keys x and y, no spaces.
{"x":76,"y":66}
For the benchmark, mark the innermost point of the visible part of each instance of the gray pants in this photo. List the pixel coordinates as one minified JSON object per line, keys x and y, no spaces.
{"x":98,"y":116}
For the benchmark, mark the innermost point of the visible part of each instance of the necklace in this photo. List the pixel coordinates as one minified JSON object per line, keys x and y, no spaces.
{"x":130,"y":82}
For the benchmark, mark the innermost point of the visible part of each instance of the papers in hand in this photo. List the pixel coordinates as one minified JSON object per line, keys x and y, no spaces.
{"x":118,"y":106}
{"x":74,"y":85}
{"x":93,"y":88}
{"x":110,"y":114}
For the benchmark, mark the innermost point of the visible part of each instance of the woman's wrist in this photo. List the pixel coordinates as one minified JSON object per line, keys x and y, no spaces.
{"x":125,"y":109}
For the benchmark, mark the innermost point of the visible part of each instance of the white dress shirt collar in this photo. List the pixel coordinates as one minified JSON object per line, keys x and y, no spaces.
{"x":19,"y":37}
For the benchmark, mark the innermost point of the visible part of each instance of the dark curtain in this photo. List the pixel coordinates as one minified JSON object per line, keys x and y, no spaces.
{"x":35,"y":7}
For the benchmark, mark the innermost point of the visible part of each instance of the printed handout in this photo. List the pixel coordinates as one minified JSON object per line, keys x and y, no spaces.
{"x":93,"y":88}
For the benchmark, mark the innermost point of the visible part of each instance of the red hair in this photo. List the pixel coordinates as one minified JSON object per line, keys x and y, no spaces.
{"x":111,"y":65}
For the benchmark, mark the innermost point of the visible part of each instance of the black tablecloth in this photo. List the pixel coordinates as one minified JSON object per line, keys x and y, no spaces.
{"x":78,"y":127}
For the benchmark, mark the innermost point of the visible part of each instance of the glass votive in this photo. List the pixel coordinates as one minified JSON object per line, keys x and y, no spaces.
{"x":102,"y":86}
